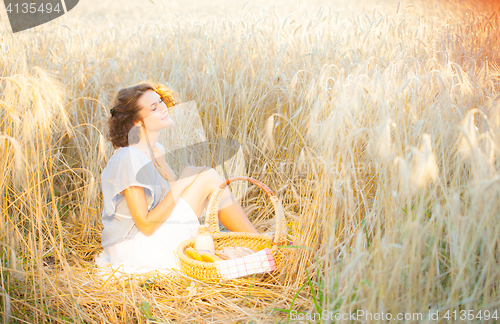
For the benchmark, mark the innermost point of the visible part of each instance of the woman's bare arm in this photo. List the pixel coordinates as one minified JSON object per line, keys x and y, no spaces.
{"x":148,"y":222}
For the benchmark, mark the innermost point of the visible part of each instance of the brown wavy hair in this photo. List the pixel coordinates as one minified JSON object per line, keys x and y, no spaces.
{"x":125,"y":111}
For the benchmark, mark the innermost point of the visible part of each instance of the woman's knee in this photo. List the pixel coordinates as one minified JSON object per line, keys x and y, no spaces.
{"x":209,"y":179}
{"x":210,"y":175}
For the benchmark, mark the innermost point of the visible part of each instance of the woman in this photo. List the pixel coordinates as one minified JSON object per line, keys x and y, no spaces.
{"x":148,"y":211}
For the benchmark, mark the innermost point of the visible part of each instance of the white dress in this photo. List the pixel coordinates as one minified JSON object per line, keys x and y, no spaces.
{"x":143,"y":254}
{"x":140,"y":254}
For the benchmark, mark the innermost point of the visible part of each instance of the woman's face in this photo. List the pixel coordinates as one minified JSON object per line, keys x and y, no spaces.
{"x":153,"y":111}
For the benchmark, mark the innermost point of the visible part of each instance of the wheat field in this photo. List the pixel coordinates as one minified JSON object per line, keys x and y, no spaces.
{"x":377,"y":124}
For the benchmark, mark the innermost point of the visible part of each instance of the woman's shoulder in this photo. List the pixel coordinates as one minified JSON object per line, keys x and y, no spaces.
{"x":123,"y":158}
{"x":121,"y":153}
{"x":131,"y":151}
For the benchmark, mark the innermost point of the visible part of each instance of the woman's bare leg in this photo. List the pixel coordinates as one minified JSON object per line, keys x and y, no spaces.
{"x":233,"y":217}
{"x":231,"y":214}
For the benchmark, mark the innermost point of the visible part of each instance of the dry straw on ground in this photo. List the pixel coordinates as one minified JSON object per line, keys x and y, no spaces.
{"x":378,"y":129}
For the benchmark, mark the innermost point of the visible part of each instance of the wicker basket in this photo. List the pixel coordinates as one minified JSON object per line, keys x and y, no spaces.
{"x":205,"y":270}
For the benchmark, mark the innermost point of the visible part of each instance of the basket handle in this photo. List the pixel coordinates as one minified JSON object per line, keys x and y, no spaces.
{"x":212,"y":219}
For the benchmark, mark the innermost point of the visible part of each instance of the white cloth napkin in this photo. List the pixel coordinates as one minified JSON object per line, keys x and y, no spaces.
{"x":259,"y":262}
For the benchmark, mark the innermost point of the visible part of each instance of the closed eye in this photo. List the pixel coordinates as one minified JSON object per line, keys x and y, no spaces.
{"x":154,"y":104}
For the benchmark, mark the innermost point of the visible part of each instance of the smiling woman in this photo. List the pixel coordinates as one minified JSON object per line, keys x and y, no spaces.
{"x":148,"y":213}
